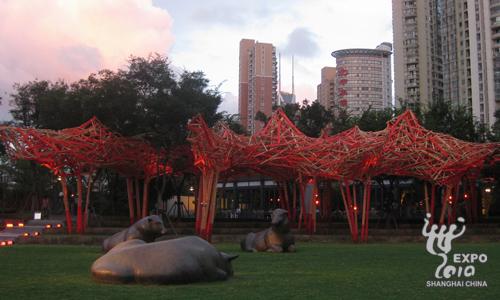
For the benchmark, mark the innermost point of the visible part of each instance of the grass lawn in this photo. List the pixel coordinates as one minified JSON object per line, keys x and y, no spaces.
{"x":316,"y":271}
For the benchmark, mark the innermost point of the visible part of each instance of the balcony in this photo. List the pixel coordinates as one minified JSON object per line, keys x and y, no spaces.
{"x":410,"y":12}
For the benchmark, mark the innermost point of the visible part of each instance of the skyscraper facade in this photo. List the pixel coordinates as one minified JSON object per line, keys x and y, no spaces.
{"x":448,"y":50}
{"x":257,"y":82}
{"x":326,"y":89}
{"x":417,"y":57}
{"x":363,"y":78}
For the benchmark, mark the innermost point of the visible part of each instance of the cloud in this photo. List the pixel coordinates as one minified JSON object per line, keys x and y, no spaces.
{"x":236,"y":13}
{"x":229,"y":103}
{"x":229,"y":15}
{"x":70,"y":39}
{"x":301,"y":42}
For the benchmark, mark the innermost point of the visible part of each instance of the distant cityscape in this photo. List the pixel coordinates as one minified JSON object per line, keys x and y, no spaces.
{"x":444,"y":50}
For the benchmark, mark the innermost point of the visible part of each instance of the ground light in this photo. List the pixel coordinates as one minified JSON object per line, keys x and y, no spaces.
{"x":6,"y":243}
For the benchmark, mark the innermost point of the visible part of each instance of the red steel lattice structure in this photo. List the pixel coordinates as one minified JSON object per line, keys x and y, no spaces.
{"x":80,"y":151}
{"x":280,"y":150}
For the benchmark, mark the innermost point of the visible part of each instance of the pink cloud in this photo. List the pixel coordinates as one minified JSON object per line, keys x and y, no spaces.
{"x":70,"y":39}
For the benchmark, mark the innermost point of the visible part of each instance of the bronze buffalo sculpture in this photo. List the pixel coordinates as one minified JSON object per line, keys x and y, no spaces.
{"x":183,"y":260}
{"x":277,"y":238}
{"x":146,"y":229}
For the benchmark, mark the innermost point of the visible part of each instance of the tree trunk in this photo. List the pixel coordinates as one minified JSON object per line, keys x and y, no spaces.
{"x":178,"y":192}
{"x":160,"y":191}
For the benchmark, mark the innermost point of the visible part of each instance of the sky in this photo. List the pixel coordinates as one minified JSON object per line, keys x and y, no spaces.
{"x":48,"y":39}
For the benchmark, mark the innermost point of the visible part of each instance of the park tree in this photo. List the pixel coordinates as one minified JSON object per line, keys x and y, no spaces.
{"x":145,"y":99}
{"x":341,"y":120}
{"x":233,"y":122}
{"x":313,"y":118}
{"x":455,"y":120}
{"x":292,"y":111}
{"x":374,"y":120}
{"x":262,"y":117}
{"x":495,"y":129}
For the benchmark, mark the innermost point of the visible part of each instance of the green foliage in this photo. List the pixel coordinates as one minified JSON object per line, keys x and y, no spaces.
{"x":260,"y":116}
{"x":313,"y":118}
{"x":232,"y":120}
{"x":144,"y":99}
{"x":450,"y":119}
{"x":374,"y":120}
{"x":495,"y":130}
{"x":292,"y":111}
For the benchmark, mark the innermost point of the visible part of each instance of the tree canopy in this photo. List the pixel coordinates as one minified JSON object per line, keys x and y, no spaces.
{"x":146,"y":98}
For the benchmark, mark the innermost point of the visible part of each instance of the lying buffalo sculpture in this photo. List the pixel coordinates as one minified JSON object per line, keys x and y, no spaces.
{"x":146,"y":229}
{"x":182,"y":260}
{"x":277,"y":238}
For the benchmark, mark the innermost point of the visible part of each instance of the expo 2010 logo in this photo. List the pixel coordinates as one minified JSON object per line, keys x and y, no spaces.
{"x":461,"y":268}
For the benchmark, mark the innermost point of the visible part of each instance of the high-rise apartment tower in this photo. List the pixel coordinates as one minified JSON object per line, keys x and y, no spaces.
{"x":363,"y":78}
{"x":448,"y":50}
{"x":326,"y":89}
{"x":257,"y":82}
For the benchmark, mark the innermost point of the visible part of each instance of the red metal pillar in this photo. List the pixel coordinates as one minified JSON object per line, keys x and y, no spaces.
{"x":79,"y":215}
{"x":354,"y":200}
{"x":145,"y":197}
{"x":213,"y":205}
{"x":130,"y":196}
{"x":347,"y":210}
{"x":137,"y":199}
{"x":69,"y":224}
{"x":207,"y":206}
{"x":366,"y":210}
{"x":198,"y":210}
{"x":311,"y":218}
{"x":351,"y":210}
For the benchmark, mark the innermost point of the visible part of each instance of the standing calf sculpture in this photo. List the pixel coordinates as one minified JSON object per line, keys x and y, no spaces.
{"x":183,"y":260}
{"x":277,"y":238}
